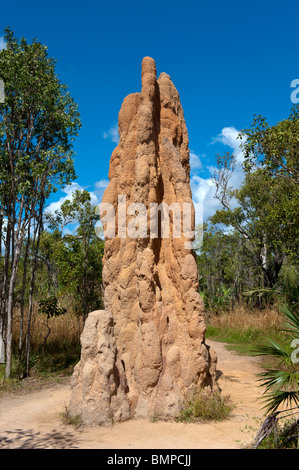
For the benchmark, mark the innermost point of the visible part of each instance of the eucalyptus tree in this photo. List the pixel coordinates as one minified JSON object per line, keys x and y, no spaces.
{"x":38,"y":123}
{"x":274,"y":148}
{"x":264,"y":212}
{"x":224,"y":270}
{"x":75,"y":259}
{"x":274,"y":151}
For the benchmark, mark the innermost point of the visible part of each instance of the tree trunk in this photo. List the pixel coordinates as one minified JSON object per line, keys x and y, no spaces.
{"x":267,"y":280}
{"x":12,"y":284}
{"x":5,"y":272}
{"x":35,"y":246}
{"x":23,"y":293}
{"x":18,"y":237}
{"x":2,"y":345}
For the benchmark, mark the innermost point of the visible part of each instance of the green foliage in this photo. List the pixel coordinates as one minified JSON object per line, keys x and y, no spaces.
{"x":56,"y":358}
{"x":75,"y":421}
{"x":38,"y":123}
{"x":74,"y":260}
{"x":284,"y":436}
{"x":275,"y":148}
{"x":239,"y":339}
{"x":250,"y":249}
{"x":217,"y":268}
{"x":273,"y":151}
{"x":50,"y":307}
{"x":276,"y":432}
{"x":38,"y":120}
{"x":231,"y":272}
{"x":281,"y":383}
{"x":264,"y":232}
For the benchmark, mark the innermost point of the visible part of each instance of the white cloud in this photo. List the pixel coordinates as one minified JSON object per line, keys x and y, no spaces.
{"x":96,"y":197}
{"x":195,"y":163}
{"x":112,"y":134}
{"x":99,"y":189}
{"x":68,"y":190}
{"x":229,"y":137}
{"x":71,"y":188}
{"x":203,"y":189}
{"x":2,"y":43}
{"x":102,"y":184}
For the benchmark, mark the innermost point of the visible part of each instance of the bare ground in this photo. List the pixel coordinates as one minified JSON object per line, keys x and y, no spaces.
{"x":36,"y":419}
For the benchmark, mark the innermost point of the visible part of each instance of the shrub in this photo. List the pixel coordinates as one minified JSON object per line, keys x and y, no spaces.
{"x":205,"y":406}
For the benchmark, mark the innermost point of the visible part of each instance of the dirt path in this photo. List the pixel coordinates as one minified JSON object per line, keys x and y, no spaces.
{"x":35,"y":420}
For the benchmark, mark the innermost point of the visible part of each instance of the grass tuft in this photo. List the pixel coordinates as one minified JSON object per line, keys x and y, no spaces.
{"x":204,"y":406}
{"x":75,"y":421}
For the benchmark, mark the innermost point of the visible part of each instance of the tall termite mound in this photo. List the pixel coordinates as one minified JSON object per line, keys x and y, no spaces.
{"x":146,"y":351}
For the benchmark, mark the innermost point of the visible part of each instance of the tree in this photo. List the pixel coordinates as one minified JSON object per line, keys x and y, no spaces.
{"x":226,"y":271}
{"x":76,"y":258}
{"x":274,"y":151}
{"x":274,"y":148}
{"x":217,"y":267}
{"x":38,"y":123}
{"x":260,"y":216}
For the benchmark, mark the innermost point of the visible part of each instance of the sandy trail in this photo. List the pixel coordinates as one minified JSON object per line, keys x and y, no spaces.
{"x":35,"y":420}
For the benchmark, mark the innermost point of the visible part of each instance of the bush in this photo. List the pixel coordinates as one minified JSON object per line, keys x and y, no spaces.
{"x":205,"y":406}
{"x":283,"y":435}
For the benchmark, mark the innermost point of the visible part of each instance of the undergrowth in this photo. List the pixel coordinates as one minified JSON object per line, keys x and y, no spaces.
{"x":205,"y":406}
{"x":242,"y":328}
{"x":51,"y":355}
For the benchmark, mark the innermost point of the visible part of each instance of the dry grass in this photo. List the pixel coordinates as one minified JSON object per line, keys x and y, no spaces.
{"x":245,"y":327}
{"x":64,"y":328}
{"x":54,"y":344}
{"x":241,"y":327}
{"x":205,"y":406}
{"x":244,"y":318}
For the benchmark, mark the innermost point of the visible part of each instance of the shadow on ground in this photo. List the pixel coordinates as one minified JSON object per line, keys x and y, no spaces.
{"x":28,"y":439}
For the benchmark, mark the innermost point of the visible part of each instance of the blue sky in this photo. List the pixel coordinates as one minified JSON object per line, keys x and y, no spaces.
{"x":229,"y":60}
